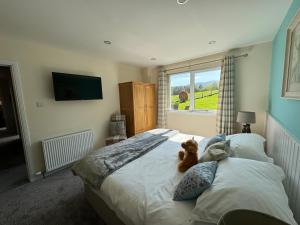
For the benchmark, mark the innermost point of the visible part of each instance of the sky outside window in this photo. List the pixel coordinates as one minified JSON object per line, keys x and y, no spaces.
{"x":181,"y":79}
{"x":206,"y":76}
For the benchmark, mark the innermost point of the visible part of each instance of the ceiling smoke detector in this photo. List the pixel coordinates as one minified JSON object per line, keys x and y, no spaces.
{"x":107,"y":42}
{"x":153,"y":59}
{"x":182,"y":2}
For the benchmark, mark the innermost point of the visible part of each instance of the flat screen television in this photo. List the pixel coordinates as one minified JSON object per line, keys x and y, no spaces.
{"x":76,"y":87}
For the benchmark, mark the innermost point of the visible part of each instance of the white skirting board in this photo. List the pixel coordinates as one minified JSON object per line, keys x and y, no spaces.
{"x":285,"y":149}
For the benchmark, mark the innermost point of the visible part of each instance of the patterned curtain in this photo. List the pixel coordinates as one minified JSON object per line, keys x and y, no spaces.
{"x":162,"y":99}
{"x":226,"y":110}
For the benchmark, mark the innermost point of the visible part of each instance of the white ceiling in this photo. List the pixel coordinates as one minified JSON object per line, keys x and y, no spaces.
{"x":142,"y":29}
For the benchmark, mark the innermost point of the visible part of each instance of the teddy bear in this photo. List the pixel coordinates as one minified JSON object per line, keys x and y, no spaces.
{"x":188,"y":157}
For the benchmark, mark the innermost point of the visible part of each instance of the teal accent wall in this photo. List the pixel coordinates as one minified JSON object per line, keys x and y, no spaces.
{"x":285,"y":111}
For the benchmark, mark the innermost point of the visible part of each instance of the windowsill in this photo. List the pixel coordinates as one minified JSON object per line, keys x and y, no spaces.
{"x":194,"y":112}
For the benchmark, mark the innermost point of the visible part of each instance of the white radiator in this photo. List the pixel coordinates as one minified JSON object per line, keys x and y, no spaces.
{"x":285,"y":149}
{"x":64,"y":150}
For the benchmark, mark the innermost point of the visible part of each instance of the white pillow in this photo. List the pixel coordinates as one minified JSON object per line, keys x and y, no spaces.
{"x":244,"y":184}
{"x":248,"y":146}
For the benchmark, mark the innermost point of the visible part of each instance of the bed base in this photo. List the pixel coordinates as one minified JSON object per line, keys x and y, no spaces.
{"x":102,"y":209}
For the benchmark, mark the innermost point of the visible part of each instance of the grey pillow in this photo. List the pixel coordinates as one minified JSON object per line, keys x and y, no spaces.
{"x":215,"y":139}
{"x":196,"y":180}
{"x":217,"y":152}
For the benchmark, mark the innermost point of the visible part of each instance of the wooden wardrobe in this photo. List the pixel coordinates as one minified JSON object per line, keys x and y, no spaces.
{"x":138,"y":104}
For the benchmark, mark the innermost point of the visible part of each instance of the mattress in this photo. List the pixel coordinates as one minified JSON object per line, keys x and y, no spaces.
{"x":140,"y":193}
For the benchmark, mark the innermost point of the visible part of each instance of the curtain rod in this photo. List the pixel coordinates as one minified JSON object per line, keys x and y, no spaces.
{"x":196,"y":64}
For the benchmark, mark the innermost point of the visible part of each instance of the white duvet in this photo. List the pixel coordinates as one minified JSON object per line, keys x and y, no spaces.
{"x":141,"y":192}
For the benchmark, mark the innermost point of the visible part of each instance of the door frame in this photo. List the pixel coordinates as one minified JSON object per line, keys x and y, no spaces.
{"x":20,"y":105}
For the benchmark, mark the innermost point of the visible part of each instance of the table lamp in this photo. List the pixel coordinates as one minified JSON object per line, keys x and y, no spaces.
{"x":246,"y":118}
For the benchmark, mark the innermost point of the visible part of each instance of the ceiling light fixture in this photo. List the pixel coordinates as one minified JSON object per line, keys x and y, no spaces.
{"x":107,"y":42}
{"x":212,"y":42}
{"x":182,"y":2}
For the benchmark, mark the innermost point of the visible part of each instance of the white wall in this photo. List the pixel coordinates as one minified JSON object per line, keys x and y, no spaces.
{"x":252,"y":83}
{"x":36,"y":62}
{"x":150,"y":74}
{"x":252,"y":75}
{"x":129,"y":73}
{"x":192,"y":123}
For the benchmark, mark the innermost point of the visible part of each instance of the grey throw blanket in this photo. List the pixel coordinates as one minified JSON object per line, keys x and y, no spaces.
{"x":99,"y":164}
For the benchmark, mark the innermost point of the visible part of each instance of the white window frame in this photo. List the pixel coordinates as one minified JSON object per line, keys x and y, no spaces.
{"x":192,"y":92}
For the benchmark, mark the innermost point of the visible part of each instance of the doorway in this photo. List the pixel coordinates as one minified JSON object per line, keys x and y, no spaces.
{"x":12,"y":161}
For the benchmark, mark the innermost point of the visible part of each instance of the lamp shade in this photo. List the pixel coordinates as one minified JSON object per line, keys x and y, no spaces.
{"x":246,"y":117}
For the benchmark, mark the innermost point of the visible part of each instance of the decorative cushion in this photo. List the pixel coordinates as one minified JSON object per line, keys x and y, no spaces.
{"x":117,"y":128}
{"x":118,"y":117}
{"x":196,"y":180}
{"x":215,"y":139}
{"x":216,"y":152}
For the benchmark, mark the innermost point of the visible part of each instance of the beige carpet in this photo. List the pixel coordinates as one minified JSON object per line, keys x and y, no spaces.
{"x":56,"y":200}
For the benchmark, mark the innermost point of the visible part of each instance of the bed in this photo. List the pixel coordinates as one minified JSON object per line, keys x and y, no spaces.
{"x":141,"y":191}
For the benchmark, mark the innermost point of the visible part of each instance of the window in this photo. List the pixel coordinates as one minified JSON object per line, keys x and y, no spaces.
{"x":195,"y":91}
